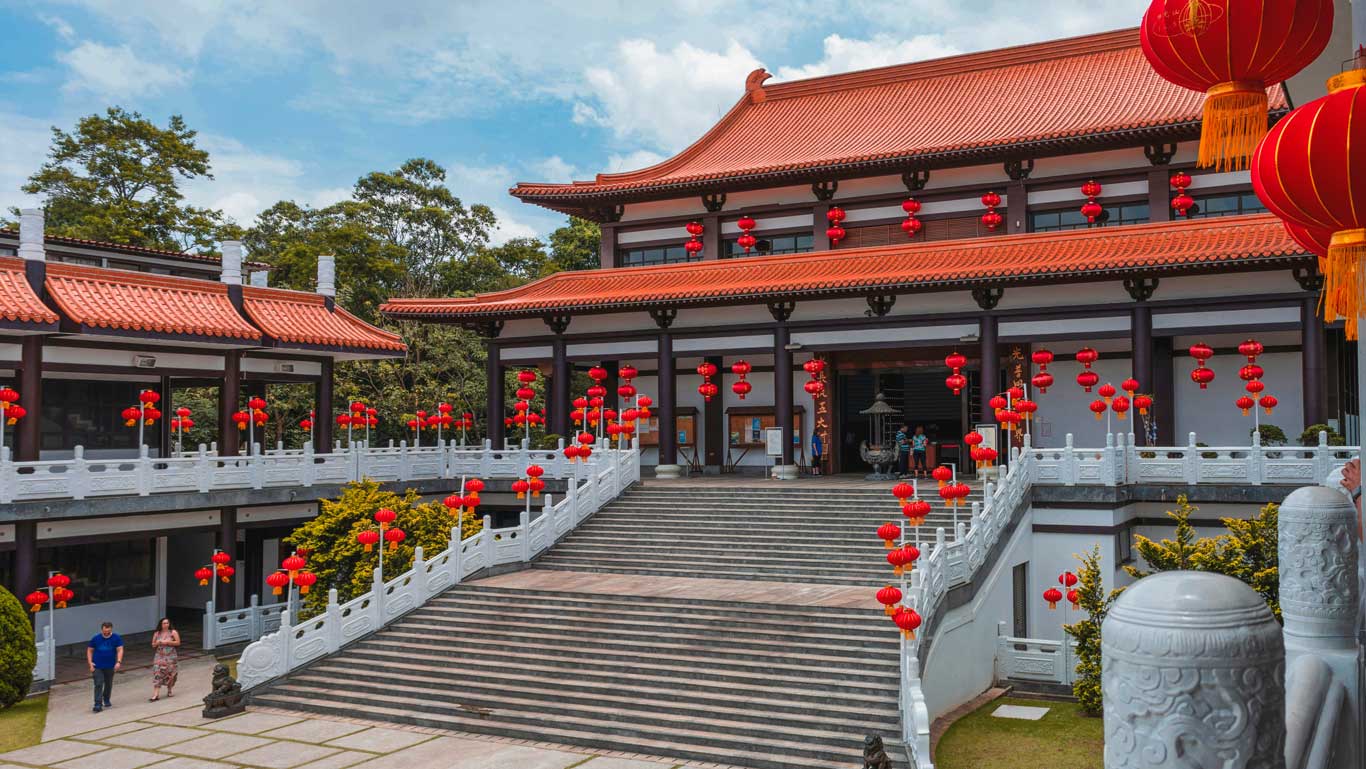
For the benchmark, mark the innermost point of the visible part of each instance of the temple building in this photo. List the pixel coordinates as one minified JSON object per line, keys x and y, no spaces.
{"x":993,"y":204}
{"x":85,"y":328}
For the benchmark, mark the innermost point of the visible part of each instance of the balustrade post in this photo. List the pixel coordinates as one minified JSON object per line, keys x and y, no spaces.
{"x":144,"y":471}
{"x":80,"y":474}
{"x":332,"y":637}
{"x":419,"y":580}
{"x":457,"y":545}
{"x":524,"y":533}
{"x":1322,"y":457}
{"x":256,"y":624}
{"x":1256,"y":460}
{"x":1190,"y":466}
{"x":490,"y":547}
{"x":486,"y":459}
{"x":7,"y":476}
{"x":1069,"y":462}
{"x":377,"y":586}
{"x":257,"y":462}
{"x":204,"y":469}
{"x":210,"y":640}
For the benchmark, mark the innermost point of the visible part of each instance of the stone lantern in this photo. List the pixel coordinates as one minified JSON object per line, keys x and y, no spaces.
{"x":880,"y":448}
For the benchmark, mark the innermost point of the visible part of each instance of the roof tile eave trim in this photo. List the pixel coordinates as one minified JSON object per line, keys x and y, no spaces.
{"x":20,"y":307}
{"x":296,"y":318}
{"x":1254,"y":241}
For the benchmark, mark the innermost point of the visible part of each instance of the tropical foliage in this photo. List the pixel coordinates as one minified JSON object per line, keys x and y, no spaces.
{"x":1095,"y":603}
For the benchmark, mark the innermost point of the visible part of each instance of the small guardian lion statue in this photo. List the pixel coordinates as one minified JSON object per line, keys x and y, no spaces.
{"x":875,"y":754}
{"x":226,"y":698}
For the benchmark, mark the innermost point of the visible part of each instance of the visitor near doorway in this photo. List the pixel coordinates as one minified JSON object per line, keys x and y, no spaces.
{"x":104,"y":654}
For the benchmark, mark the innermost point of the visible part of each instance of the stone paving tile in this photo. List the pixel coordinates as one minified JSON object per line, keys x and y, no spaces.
{"x":113,"y":758}
{"x":341,"y":760}
{"x":110,"y":731}
{"x":251,"y":723}
{"x":222,"y":745}
{"x":283,"y":755}
{"x":315,"y":730}
{"x":456,"y":753}
{"x":188,"y":717}
{"x":49,"y":752}
{"x":380,"y":739}
{"x":614,"y":762}
{"x":154,"y":737}
{"x":185,"y":762}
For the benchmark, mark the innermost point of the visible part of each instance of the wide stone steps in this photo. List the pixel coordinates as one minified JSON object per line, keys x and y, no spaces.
{"x":727,"y":682}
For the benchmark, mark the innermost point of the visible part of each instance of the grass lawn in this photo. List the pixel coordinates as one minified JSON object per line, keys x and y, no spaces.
{"x":22,"y":725}
{"x":1062,"y":739}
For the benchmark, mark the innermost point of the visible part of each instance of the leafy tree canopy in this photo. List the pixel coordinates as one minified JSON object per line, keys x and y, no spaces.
{"x":117,"y":178}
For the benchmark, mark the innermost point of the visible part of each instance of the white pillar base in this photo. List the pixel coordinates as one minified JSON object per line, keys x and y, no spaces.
{"x":668,"y":471}
{"x":785,"y":472}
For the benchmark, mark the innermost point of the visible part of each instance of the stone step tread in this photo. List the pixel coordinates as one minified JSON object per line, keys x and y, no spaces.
{"x":697,"y":687}
{"x":555,"y":733}
{"x":593,"y":717}
{"x":733,"y":640}
{"x":629,"y":618}
{"x":875,"y":548}
{"x":765,"y":675}
{"x":642,"y":702}
{"x":661,"y":602}
{"x":774,"y":576}
{"x":822,"y":654}
{"x":785,"y":565}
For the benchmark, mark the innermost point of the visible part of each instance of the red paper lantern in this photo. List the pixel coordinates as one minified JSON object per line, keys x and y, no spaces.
{"x":1106,"y":391}
{"x":293,"y":563}
{"x":694,"y":228}
{"x":912,"y":226}
{"x":523,"y":393}
{"x":1042,"y":357}
{"x":889,"y":596}
{"x":740,"y":368}
{"x":746,"y":223}
{"x":1120,"y":405}
{"x":304,"y":580}
{"x":942,"y":473}
{"x":1098,"y":408}
{"x":814,"y":366}
{"x":8,"y":395}
{"x":889,"y":533}
{"x":1042,"y":381}
{"x":1067,"y":579}
{"x":1268,"y":402}
{"x":597,"y":374}
{"x":903,"y":491}
{"x":1201,"y":352}
{"x":1251,"y":349}
{"x":1143,"y":403}
{"x":1052,"y":595}
{"x":203,"y":574}
{"x":520,"y":486}
{"x":1250,"y":371}
{"x":473,"y":486}
{"x":814,"y":388}
{"x":1091,"y":209}
{"x":835,"y":215}
{"x":1026,"y":407}
{"x":991,"y":219}
{"x":991,"y":200}
{"x":693,"y":246}
{"x":35,"y":600}
{"x":393,"y":537}
{"x":526,"y":376}
{"x":908,"y":621}
{"x":916,"y":510}
{"x":956,"y":383}
{"x":277,"y":581}
{"x":1088,"y":379}
{"x":708,"y":390}
{"x":1129,"y":386}
{"x":384,"y":516}
{"x":1245,"y":403}
{"x":1202,"y":377}
{"x":149,"y":397}
{"x":741,"y":388}
{"x":369,"y":538}
{"x":973,"y":438}
{"x":898,"y":558}
{"x":1086,"y":356}
{"x":1232,"y":50}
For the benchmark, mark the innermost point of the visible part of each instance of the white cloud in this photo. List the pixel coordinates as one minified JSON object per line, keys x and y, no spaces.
{"x":248,"y":181}
{"x":845,"y":55}
{"x":664,"y":98}
{"x":59,"y":25}
{"x":488,"y":184}
{"x":632,"y":161}
{"x":23,"y":146}
{"x":554,"y":169}
{"x":116,"y":72}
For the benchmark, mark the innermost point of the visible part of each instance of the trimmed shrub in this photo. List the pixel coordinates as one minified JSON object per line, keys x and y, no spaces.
{"x":1310,"y":436}
{"x":18,"y":655}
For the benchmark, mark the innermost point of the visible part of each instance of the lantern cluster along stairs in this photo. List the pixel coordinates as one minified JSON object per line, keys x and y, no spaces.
{"x":729,"y":626}
{"x":810,"y":534}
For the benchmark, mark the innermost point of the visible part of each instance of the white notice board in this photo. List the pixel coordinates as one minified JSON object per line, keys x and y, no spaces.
{"x":773,"y":441}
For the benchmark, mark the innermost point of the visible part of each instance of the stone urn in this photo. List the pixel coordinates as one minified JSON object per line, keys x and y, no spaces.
{"x":1193,"y":675}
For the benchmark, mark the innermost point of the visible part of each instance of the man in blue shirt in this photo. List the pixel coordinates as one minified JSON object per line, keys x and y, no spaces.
{"x":104,"y":654}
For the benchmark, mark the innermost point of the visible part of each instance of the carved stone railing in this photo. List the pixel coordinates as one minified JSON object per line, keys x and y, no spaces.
{"x":204,"y":471}
{"x":46,"y":667}
{"x":293,"y":645}
{"x":948,"y":565}
{"x":1034,"y":659}
{"x":1122,"y":462}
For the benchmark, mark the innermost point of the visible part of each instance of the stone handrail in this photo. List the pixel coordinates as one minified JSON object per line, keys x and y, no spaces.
{"x":950,"y":564}
{"x":1034,"y":659}
{"x":1122,"y":462}
{"x":46,"y":667}
{"x":609,"y":473}
{"x":204,"y":471}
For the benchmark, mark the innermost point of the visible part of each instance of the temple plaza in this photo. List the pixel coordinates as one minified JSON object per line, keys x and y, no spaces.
{"x":1011,"y":261}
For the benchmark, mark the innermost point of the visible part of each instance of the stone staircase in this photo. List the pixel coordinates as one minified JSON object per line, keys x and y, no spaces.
{"x":709,"y":647}
{"x":810,"y":535}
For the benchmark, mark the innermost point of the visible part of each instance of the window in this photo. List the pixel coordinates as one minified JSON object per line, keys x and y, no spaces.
{"x":771,"y":245}
{"x":1231,"y":204}
{"x":8,"y":251}
{"x":1072,"y":219}
{"x":85,"y":261}
{"x":85,"y":412}
{"x":104,"y":571}
{"x":644,"y":257}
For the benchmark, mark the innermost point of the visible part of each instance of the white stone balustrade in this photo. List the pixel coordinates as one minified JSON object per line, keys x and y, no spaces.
{"x":1034,"y":659}
{"x":204,"y":471}
{"x":608,"y":473}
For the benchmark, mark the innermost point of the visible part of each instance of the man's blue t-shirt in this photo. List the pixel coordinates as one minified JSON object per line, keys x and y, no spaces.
{"x":106,"y":650}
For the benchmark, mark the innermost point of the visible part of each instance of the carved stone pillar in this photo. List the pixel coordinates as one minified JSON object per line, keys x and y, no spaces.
{"x":1193,"y":674}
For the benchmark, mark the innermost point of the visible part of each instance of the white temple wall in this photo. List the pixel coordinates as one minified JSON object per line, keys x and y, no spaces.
{"x":1210,"y":413}
{"x":1053,"y":553}
{"x":1065,"y":407}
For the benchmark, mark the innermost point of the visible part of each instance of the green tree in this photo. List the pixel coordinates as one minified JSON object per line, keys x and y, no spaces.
{"x":18,"y":654}
{"x":117,"y":178}
{"x":343,"y":563}
{"x":576,"y":245}
{"x":500,"y":267}
{"x":1095,"y":603}
{"x":1184,"y":552}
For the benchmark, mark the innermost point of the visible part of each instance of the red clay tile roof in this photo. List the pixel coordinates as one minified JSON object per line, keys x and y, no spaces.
{"x":944,"y":109}
{"x":18,"y":304}
{"x":294,"y":317}
{"x":135,"y":301}
{"x":1079,"y":255}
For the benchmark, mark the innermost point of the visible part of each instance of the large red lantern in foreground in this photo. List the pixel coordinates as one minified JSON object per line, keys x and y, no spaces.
{"x":1232,"y":50}
{"x":1304,"y":171}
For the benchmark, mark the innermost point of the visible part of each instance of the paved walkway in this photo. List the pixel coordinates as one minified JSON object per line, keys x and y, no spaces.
{"x":172,"y":734}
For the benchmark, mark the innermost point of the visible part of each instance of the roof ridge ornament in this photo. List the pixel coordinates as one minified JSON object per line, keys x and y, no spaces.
{"x":754,"y":85}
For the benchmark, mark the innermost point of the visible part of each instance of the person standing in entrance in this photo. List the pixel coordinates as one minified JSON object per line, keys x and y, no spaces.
{"x":903,"y":451}
{"x":104,"y":654}
{"x":919,"y":445}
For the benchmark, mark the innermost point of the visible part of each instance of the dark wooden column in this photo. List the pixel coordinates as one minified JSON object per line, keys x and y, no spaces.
{"x":782,"y":384}
{"x":668,"y":426}
{"x":1159,"y":200}
{"x":229,"y":400}
{"x":1017,"y":195}
{"x":559,"y":387}
{"x":991,"y":366}
{"x":819,"y":240}
{"x":30,"y":429}
{"x":607,"y":248}
{"x":25,"y":557}
{"x":1314,"y":366}
{"x":711,"y":238}
{"x":611,"y":400}
{"x":1163,"y":389}
{"x":225,"y":596}
{"x":493,"y":376}
{"x":165,"y":440}
{"x":713,"y":419}
{"x":322,"y":408}
{"x":1141,"y":340}
{"x":254,"y":556}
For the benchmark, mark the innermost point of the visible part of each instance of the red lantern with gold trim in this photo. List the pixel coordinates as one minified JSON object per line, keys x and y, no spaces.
{"x":889,"y":533}
{"x":1232,"y":50}
{"x":1052,"y":595}
{"x":908,"y":621}
{"x":889,"y":597}
{"x":277,"y":581}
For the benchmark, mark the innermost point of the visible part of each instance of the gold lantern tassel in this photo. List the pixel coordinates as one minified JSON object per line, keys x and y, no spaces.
{"x":1342,"y":280}
{"x":1235,"y":121}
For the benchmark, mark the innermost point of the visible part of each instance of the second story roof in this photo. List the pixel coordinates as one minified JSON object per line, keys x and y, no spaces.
{"x":1096,"y":91}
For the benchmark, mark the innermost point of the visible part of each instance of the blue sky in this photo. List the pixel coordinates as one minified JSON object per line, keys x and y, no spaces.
{"x":296,"y":99}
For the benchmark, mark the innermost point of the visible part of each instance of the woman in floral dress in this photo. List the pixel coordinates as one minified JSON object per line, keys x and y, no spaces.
{"x":165,"y":642}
